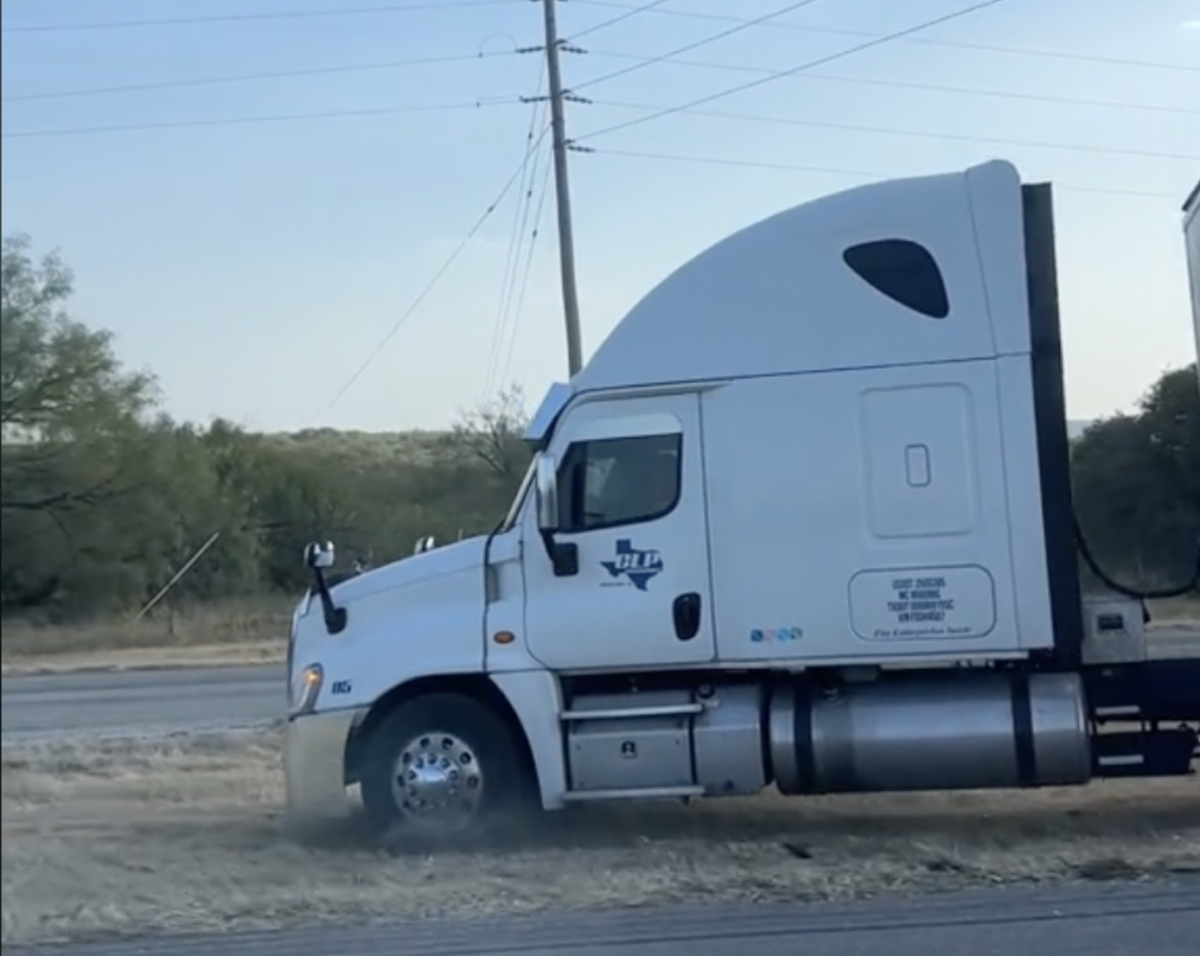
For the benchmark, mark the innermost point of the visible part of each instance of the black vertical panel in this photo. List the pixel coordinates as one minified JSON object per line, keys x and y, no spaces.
{"x":1050,"y":415}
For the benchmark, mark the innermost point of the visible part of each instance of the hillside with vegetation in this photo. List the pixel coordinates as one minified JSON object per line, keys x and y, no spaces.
{"x":105,"y":496}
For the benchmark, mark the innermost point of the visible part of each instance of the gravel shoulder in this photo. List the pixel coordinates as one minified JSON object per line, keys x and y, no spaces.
{"x":182,"y":834}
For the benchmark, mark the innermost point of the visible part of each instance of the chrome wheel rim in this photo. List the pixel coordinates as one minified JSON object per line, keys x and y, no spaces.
{"x":437,"y":783}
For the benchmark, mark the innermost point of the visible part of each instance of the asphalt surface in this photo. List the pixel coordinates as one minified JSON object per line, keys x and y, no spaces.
{"x":166,"y":701}
{"x":141,"y":702}
{"x":1159,"y":919}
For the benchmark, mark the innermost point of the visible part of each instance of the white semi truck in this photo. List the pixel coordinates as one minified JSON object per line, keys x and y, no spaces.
{"x":804,"y":520}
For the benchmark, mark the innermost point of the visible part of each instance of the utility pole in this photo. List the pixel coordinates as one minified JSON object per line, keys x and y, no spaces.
{"x":562,"y":190}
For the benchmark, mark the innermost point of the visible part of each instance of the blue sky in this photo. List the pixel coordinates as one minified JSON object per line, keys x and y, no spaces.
{"x":255,"y":266}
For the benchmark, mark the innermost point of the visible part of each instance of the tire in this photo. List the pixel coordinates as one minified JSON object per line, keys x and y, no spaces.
{"x":443,"y":769}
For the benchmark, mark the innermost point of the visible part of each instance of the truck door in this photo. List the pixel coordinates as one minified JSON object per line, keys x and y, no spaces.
{"x":632,"y":501}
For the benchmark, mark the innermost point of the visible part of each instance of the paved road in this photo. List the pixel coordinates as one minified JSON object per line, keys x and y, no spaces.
{"x":158,"y":701}
{"x":1162,"y":919}
{"x":163,"y":701}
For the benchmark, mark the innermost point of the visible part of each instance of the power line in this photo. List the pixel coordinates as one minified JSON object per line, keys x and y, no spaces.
{"x":257,"y":120}
{"x":903,"y":84}
{"x":505,"y":312}
{"x":781,"y":74}
{"x":437,"y":276}
{"x":845,"y":171}
{"x":509,"y":276}
{"x":537,"y":116}
{"x":509,"y":312}
{"x":929,"y":41}
{"x":603,"y":54}
{"x":892,"y":131}
{"x":529,"y":251}
{"x":613,"y":21}
{"x":758,"y":21}
{"x":255,"y":77}
{"x":251,"y":17}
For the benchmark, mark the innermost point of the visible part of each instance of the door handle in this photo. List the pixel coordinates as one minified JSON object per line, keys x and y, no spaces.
{"x":686,"y":612}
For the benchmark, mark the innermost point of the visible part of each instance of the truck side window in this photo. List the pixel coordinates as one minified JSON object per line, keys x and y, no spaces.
{"x":617,"y":481}
{"x":904,"y":271}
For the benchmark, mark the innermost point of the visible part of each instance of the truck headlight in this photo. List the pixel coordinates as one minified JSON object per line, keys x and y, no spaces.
{"x":306,"y":687}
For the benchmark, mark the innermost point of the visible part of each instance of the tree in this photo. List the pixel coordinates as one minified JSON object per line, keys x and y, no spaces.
{"x":69,"y":418}
{"x":1137,"y":485}
{"x":493,"y":433}
{"x":65,"y":399}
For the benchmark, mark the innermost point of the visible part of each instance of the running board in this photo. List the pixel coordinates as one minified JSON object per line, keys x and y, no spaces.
{"x":1145,"y":753}
{"x":636,"y":793}
{"x":632,"y":713}
{"x":1156,"y":691}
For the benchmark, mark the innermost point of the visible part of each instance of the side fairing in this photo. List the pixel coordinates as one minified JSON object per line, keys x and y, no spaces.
{"x":783,"y":296}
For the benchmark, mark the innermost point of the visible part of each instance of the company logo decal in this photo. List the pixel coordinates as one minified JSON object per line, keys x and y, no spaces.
{"x":632,"y":565}
{"x":775,"y":635}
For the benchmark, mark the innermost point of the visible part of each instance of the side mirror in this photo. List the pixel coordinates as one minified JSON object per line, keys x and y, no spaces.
{"x":546,"y":493}
{"x":563,"y":555}
{"x":319,"y":556}
{"x":424,"y":543}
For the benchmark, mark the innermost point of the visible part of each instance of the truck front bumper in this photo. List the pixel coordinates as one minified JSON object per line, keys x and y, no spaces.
{"x":314,"y":762}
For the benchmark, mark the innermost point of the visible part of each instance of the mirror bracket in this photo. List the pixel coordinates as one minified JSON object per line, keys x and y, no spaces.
{"x":319,"y":557}
{"x":564,"y":556}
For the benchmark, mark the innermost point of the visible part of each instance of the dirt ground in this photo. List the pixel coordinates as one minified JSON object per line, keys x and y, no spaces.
{"x":233,"y":633}
{"x":182,"y":834}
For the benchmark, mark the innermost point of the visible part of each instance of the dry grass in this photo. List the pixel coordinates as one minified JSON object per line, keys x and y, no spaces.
{"x":182,"y":834}
{"x":236,"y":632}
{"x":148,"y":658}
{"x":231,"y":632}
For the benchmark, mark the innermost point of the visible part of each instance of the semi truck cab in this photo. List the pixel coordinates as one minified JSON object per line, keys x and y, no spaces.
{"x":803,"y":520}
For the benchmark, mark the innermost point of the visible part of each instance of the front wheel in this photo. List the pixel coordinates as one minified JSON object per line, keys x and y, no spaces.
{"x":442,"y":768}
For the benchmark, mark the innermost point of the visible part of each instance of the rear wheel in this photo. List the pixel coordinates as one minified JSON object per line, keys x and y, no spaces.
{"x":443,"y":768}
